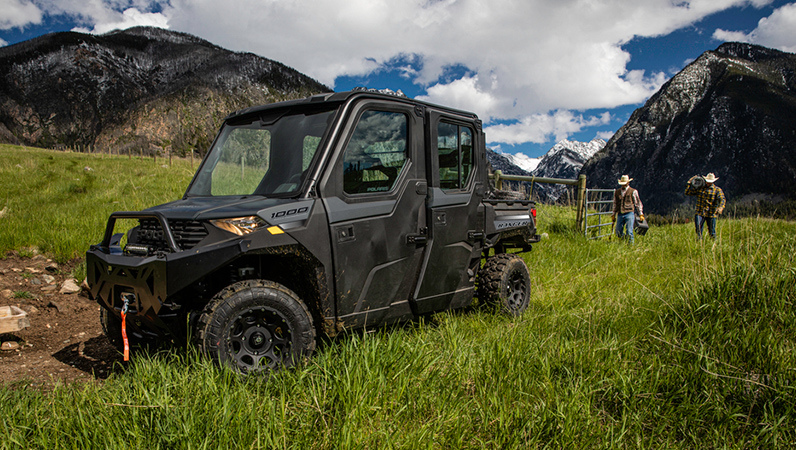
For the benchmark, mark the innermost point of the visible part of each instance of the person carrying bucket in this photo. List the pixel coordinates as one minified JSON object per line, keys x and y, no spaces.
{"x":626,"y":202}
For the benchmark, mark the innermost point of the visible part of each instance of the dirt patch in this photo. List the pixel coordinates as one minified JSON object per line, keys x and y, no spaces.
{"x":64,"y":342}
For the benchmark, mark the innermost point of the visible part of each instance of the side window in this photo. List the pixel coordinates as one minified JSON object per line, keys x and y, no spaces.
{"x":455,"y":155}
{"x":376,"y":153}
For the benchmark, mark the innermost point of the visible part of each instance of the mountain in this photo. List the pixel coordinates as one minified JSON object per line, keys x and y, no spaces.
{"x":141,"y":89}
{"x":504,"y":163}
{"x":522,"y":161}
{"x":731,"y":112}
{"x":564,"y":160}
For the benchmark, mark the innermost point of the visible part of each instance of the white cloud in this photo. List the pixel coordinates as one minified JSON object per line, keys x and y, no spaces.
{"x":541,"y":128}
{"x":775,"y":31}
{"x":522,"y":58}
{"x":101,"y":16}
{"x":18,"y":14}
{"x":605,"y":135}
{"x":131,"y":17}
{"x":519,"y":60}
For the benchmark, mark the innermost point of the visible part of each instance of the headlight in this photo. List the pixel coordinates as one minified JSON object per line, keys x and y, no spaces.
{"x":240,"y":225}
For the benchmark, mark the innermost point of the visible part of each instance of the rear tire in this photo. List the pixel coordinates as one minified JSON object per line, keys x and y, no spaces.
{"x":256,"y":326}
{"x":504,"y":281}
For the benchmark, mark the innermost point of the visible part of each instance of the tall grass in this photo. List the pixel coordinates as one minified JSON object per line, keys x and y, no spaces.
{"x":668,"y":343}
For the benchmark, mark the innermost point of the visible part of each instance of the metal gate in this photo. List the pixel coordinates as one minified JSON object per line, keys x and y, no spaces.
{"x":599,"y":203}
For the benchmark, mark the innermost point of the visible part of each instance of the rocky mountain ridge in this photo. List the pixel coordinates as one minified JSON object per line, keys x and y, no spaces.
{"x":564,"y":160}
{"x":731,"y":112}
{"x":143,"y":89}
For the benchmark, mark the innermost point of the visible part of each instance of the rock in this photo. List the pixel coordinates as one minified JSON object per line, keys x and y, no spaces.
{"x":9,"y":345}
{"x":7,"y":293}
{"x":49,"y":279}
{"x":51,"y":267}
{"x":57,"y":305}
{"x":69,"y":287}
{"x":35,"y":281}
{"x":29,"y":309}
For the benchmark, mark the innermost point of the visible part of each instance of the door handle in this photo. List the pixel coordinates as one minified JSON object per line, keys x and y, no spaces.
{"x":418,"y":238}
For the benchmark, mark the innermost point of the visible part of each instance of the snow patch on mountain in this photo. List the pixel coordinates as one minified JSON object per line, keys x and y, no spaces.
{"x":522,"y":161}
{"x":583,"y":149}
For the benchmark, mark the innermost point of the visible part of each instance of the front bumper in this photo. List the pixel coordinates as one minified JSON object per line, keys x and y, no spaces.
{"x":160,"y":285}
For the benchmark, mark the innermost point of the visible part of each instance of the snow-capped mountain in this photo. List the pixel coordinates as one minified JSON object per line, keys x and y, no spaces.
{"x":523,"y":161}
{"x":564,"y":160}
{"x":583,"y":150}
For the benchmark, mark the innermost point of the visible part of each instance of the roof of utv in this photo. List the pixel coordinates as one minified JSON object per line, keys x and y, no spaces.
{"x":343,"y":97}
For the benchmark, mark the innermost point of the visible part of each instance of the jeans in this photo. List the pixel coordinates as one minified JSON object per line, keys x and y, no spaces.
{"x":699,"y":222}
{"x":626,"y":220}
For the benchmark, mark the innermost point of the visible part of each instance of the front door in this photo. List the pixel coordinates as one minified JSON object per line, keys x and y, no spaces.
{"x":375,"y":200}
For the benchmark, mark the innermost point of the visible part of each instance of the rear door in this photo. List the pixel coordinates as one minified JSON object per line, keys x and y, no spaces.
{"x":375,"y":197}
{"x":455,"y":214}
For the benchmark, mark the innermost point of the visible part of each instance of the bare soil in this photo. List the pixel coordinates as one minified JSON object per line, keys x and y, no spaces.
{"x":64,"y":342}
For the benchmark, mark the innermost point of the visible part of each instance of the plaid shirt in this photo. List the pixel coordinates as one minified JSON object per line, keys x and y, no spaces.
{"x":709,"y":199}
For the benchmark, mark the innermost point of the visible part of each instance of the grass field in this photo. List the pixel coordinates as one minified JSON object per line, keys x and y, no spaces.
{"x":669,"y":343}
{"x":60,"y":202}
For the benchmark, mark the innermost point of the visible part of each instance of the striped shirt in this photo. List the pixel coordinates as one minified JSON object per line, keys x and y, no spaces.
{"x":710,"y":198}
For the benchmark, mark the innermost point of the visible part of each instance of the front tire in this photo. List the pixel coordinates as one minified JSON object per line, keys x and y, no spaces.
{"x":256,"y":326}
{"x":505,"y":281}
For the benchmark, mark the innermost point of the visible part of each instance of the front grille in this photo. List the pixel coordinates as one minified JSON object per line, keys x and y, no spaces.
{"x":187,"y":233}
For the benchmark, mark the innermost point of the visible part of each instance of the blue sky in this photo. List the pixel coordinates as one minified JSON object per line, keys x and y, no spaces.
{"x":536,"y":71}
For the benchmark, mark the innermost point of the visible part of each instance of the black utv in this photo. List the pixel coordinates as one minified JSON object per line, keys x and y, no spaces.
{"x":338,"y":211}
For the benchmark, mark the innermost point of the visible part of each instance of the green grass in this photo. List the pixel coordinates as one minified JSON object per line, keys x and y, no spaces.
{"x":669,"y":343}
{"x":60,"y":202}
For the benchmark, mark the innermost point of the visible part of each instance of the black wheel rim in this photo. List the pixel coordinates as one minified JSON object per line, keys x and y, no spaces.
{"x":259,"y":339}
{"x":517,"y":291}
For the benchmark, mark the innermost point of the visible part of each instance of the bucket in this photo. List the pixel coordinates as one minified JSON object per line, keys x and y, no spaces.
{"x":697,"y":181}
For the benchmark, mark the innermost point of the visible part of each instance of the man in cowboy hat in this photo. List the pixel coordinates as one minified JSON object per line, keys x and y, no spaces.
{"x":710,"y":203}
{"x":626,"y":201}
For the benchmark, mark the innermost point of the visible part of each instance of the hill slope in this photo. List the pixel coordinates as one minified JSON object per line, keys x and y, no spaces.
{"x":731,"y":112}
{"x":138,"y":89}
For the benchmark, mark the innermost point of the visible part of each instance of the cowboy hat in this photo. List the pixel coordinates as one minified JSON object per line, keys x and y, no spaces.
{"x":624,"y":180}
{"x":710,"y":178}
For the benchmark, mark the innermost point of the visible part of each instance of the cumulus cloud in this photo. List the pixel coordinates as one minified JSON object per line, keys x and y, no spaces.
{"x":540,"y":128}
{"x":775,"y":31}
{"x":130,"y":17}
{"x":605,"y":135}
{"x":19,"y":13}
{"x":522,"y":66}
{"x":522,"y":59}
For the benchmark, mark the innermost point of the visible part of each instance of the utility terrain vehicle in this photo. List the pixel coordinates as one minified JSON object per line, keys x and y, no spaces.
{"x":309,"y":217}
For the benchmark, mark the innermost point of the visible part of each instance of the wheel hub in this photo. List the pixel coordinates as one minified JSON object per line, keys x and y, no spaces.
{"x":517,"y":291}
{"x":259,"y":339}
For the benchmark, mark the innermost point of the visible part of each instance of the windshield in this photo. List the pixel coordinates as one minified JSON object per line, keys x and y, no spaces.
{"x":268,"y":155}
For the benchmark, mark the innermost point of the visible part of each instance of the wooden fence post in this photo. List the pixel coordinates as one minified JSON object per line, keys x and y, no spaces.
{"x":498,"y":180}
{"x":581,"y":199}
